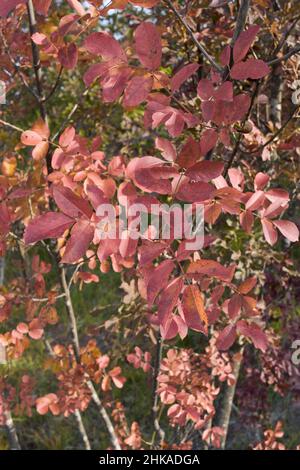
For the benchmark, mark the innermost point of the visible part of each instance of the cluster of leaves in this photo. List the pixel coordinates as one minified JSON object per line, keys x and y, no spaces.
{"x":51,"y":205}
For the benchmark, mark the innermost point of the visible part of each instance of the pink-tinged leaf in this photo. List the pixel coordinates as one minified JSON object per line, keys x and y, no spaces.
{"x":256,"y":201}
{"x":35,"y":329}
{"x":68,"y":56}
{"x":193,"y":309}
{"x":93,"y":72}
{"x":77,"y":6}
{"x":167,"y":149}
{"x":244,"y":42}
{"x":40,"y":150}
{"x":236,"y":178}
{"x":210,"y":268}
{"x":194,"y":192}
{"x":148,"y":45}
{"x":30,"y":138}
{"x":189,"y":154}
{"x":224,"y":92}
{"x":182,"y":75}
{"x":114,"y":83}
{"x":5,"y":219}
{"x":81,"y":236}
{"x":149,"y":174}
{"x":42,"y":6}
{"x":241,"y":104}
{"x":247,"y":221}
{"x":261,"y":180}
{"x":70,"y":203}
{"x":251,"y":68}
{"x":247,"y":285}
{"x":145,"y":3}
{"x":255,"y":333}
{"x":6,"y":6}
{"x":128,"y":244}
{"x":22,"y":328}
{"x":149,"y":250}
{"x":137,"y":90}
{"x":67,"y":137}
{"x":168,"y":299}
{"x":226,"y":338}
{"x":270,"y":233}
{"x":205,"y":89}
{"x":158,"y":280}
{"x":49,"y":225}
{"x":169,"y":329}
{"x":225,"y":56}
{"x":205,"y":171}
{"x":234,"y":306}
{"x":208,"y":141}
{"x":288,"y":229}
{"x":104,"y":45}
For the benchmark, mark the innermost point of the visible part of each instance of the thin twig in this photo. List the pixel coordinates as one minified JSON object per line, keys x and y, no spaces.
{"x":286,"y":35}
{"x":55,"y":86}
{"x":201,"y":48}
{"x":286,"y":56}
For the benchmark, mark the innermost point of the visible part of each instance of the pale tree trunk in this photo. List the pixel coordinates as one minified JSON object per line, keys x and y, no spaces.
{"x":12,"y":435}
{"x":225,"y":409}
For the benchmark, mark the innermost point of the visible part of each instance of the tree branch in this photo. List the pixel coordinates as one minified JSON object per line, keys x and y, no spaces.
{"x":286,"y":56}
{"x":241,"y":20}
{"x":201,"y":48}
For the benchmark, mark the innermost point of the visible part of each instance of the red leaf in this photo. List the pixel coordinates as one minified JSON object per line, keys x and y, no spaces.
{"x":288,"y":229}
{"x":150,"y":174}
{"x":49,"y":225}
{"x":208,"y":141}
{"x":251,"y":68}
{"x":234,"y":306}
{"x":167,"y":149}
{"x":254,"y":332}
{"x":105,"y":45}
{"x":168,"y":299}
{"x":270,"y":232}
{"x":193,"y":309}
{"x":205,"y":89}
{"x":67,"y":137}
{"x":226,"y":337}
{"x":7,"y":5}
{"x":194,"y":192}
{"x":68,"y":56}
{"x":211,"y":268}
{"x":81,"y":236}
{"x":137,"y":90}
{"x":244,"y":42}
{"x":42,"y":6}
{"x":247,"y":285}
{"x":70,"y":203}
{"x":256,"y":201}
{"x":182,"y":75}
{"x":189,"y":154}
{"x":5,"y":219}
{"x":158,"y":280}
{"x":205,"y":171}
{"x":247,"y":221}
{"x":30,"y":138}
{"x":148,"y":45}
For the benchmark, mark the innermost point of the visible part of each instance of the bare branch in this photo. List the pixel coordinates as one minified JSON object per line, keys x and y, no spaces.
{"x":201,"y":48}
{"x":241,"y":20}
{"x":286,"y":56}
